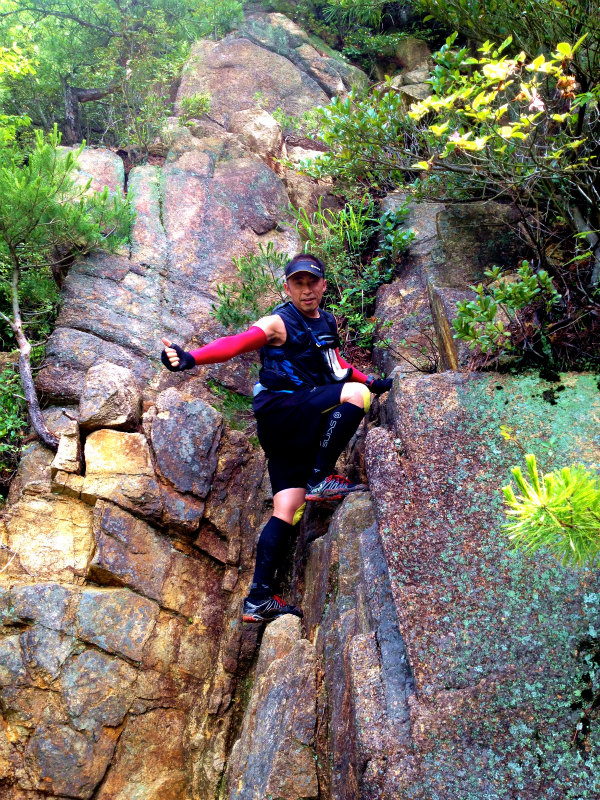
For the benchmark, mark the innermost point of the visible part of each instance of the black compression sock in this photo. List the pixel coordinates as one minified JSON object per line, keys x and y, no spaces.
{"x":340,"y":427}
{"x":273,"y":538}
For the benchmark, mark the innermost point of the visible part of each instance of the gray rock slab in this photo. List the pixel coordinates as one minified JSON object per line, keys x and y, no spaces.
{"x":98,"y":690}
{"x":492,"y":636}
{"x":111,"y":398}
{"x":275,"y":752}
{"x":116,"y":620}
{"x":185,"y":435}
{"x":66,"y":762}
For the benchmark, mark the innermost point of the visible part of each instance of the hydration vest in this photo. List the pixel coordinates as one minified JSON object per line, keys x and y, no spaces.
{"x":307,"y":356}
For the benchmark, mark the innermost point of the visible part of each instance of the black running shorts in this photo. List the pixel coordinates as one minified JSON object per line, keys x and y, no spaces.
{"x":289,"y":430}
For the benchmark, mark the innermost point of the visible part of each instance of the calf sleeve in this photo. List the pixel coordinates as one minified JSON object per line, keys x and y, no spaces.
{"x":271,"y":545}
{"x":340,"y":427}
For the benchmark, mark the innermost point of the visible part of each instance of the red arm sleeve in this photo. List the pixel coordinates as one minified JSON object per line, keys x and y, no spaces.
{"x":357,"y":375}
{"x":229,"y":346}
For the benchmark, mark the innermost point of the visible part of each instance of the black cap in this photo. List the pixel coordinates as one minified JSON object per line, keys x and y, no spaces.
{"x":304,"y":265}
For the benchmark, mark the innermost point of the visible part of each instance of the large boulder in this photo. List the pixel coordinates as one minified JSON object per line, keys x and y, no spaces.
{"x":275,"y":755}
{"x":234,"y":70}
{"x":327,"y":67}
{"x":111,"y":398}
{"x":185,"y":433}
{"x":491,"y":633}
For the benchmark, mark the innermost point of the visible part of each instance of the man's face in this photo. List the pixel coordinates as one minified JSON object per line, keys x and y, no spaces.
{"x":306,"y":292}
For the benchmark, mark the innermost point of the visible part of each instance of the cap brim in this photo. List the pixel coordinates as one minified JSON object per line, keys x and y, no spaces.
{"x":316,"y":272}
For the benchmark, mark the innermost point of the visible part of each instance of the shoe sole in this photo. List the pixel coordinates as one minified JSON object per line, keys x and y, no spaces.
{"x":339,"y":496}
{"x":249,"y":620}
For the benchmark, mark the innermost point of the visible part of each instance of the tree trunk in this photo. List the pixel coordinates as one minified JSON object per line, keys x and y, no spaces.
{"x":73,"y":97}
{"x":33,"y":405}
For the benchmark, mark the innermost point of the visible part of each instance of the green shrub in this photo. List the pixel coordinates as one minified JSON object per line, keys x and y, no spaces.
{"x":194,"y":106}
{"x":236,"y":408}
{"x":492,"y":322}
{"x":259,"y":288}
{"x":495,"y":126}
{"x":342,"y":239}
{"x":13,"y":421}
{"x":559,"y":511}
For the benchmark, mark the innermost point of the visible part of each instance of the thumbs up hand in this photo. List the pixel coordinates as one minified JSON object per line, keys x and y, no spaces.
{"x":175,"y":358}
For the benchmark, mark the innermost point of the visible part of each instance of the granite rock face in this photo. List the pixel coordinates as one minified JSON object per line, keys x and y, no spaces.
{"x":111,"y":398}
{"x":121,"y":647}
{"x":275,"y":754}
{"x":452,"y":248}
{"x":493,"y":637}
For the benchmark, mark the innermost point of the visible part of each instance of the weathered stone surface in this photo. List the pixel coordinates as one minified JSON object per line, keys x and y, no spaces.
{"x":104,"y":296}
{"x":12,"y":668}
{"x":66,"y":762}
{"x":192,"y":587}
{"x":489,"y":632}
{"x":149,"y":759}
{"x":473,"y":237}
{"x":102,"y":167}
{"x":310,"y":54}
{"x":68,"y":455}
{"x":233,"y":70}
{"x":70,"y":353}
{"x":185,"y":434}
{"x":181,"y":512}
{"x":33,"y":472}
{"x":347,"y":603}
{"x":408,"y":327}
{"x":128,"y":551}
{"x":275,"y":752}
{"x":412,"y":52}
{"x":116,"y":620}
{"x":414,"y":92}
{"x":111,"y":398}
{"x":259,"y":131}
{"x":98,"y":690}
{"x":45,"y":652}
{"x":415,"y":76}
{"x":148,"y":239}
{"x":119,"y":469}
{"x":44,"y":603}
{"x":52,"y":537}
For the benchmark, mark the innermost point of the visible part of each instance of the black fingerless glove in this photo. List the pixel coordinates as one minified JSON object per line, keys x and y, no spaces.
{"x":186,"y":360}
{"x":379,"y":385}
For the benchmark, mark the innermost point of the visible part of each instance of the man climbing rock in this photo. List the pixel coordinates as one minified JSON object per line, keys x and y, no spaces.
{"x":308,"y":404}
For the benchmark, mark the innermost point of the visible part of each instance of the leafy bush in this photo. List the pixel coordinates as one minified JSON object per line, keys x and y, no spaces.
{"x":258,"y":289}
{"x":535,"y":25}
{"x":194,"y":106}
{"x":13,"y":421}
{"x":342,"y":240}
{"x":495,"y":126}
{"x":559,"y":511}
{"x":491,"y":322}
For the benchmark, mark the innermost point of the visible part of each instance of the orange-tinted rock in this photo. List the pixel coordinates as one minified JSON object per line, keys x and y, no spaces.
{"x":128,"y":551}
{"x":67,"y":762}
{"x":149,"y":759}
{"x":275,"y":752}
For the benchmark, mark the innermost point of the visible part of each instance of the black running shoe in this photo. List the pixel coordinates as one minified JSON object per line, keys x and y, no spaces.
{"x":269,"y":609}
{"x":333,"y":487}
